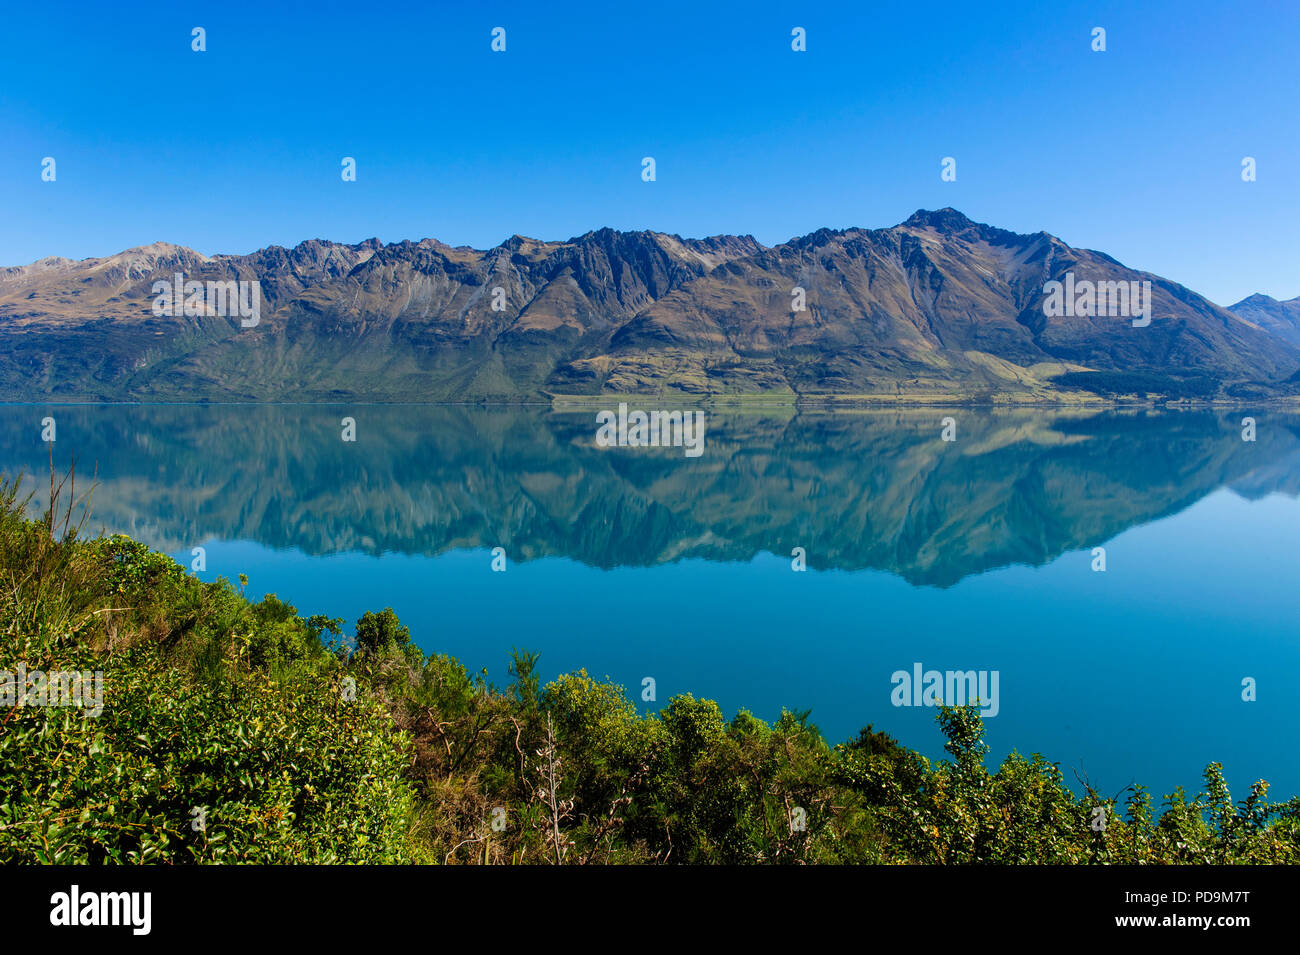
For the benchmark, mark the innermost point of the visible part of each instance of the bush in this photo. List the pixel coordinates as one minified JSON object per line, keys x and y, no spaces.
{"x":231,"y":732}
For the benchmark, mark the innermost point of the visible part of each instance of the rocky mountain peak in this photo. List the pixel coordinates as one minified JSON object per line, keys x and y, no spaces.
{"x":947,"y":220}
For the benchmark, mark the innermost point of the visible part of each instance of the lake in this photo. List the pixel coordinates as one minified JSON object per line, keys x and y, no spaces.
{"x":975,"y":554}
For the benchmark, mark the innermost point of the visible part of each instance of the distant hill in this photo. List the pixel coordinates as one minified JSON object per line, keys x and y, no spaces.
{"x":1280,"y":318}
{"x":936,"y":306}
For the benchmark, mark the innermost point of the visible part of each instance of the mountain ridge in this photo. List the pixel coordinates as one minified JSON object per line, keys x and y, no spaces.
{"x":1281,"y":318}
{"x":936,"y":306}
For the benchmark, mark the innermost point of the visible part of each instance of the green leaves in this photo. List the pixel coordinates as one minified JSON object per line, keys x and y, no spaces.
{"x":380,"y":634}
{"x":230,"y":734}
{"x":209,"y":702}
{"x":283,"y":777}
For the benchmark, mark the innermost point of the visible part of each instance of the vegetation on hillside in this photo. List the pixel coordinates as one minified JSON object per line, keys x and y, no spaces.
{"x":240,"y":731}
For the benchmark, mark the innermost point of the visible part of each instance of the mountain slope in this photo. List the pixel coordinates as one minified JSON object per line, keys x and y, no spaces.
{"x":936,"y":306}
{"x":1279,"y":318}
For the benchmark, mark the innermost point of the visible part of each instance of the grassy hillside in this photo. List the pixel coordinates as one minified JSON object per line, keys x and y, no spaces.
{"x":234,"y":731}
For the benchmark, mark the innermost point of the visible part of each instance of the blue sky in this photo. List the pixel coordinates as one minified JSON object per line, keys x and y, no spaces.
{"x":1136,"y":151}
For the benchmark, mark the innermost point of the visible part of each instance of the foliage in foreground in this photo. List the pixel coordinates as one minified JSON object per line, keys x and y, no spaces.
{"x":235,"y":731}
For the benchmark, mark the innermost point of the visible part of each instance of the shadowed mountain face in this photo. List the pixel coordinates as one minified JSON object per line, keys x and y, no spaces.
{"x":856,"y":491}
{"x":938,"y":305}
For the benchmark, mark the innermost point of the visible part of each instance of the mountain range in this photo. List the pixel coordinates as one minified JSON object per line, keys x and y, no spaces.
{"x":938,"y":307}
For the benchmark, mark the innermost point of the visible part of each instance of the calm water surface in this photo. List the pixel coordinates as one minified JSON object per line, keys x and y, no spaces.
{"x":970,"y":555}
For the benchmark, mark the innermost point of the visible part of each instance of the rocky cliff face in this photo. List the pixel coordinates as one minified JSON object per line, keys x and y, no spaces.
{"x":938,"y":305}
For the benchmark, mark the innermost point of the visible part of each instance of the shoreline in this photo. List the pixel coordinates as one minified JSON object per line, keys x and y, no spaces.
{"x":798,"y":402}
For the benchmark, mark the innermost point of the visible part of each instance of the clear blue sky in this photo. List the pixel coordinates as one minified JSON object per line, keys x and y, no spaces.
{"x":1136,"y":151}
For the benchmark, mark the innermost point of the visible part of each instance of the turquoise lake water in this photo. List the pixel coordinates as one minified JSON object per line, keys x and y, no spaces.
{"x":975,"y":554}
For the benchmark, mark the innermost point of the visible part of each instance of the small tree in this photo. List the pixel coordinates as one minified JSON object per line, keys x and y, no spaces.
{"x":381,"y":634}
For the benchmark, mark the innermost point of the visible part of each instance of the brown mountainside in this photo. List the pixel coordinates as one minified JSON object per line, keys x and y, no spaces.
{"x":936,"y":306}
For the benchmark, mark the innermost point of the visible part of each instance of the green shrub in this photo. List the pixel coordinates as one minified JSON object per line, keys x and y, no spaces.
{"x":232,"y":732}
